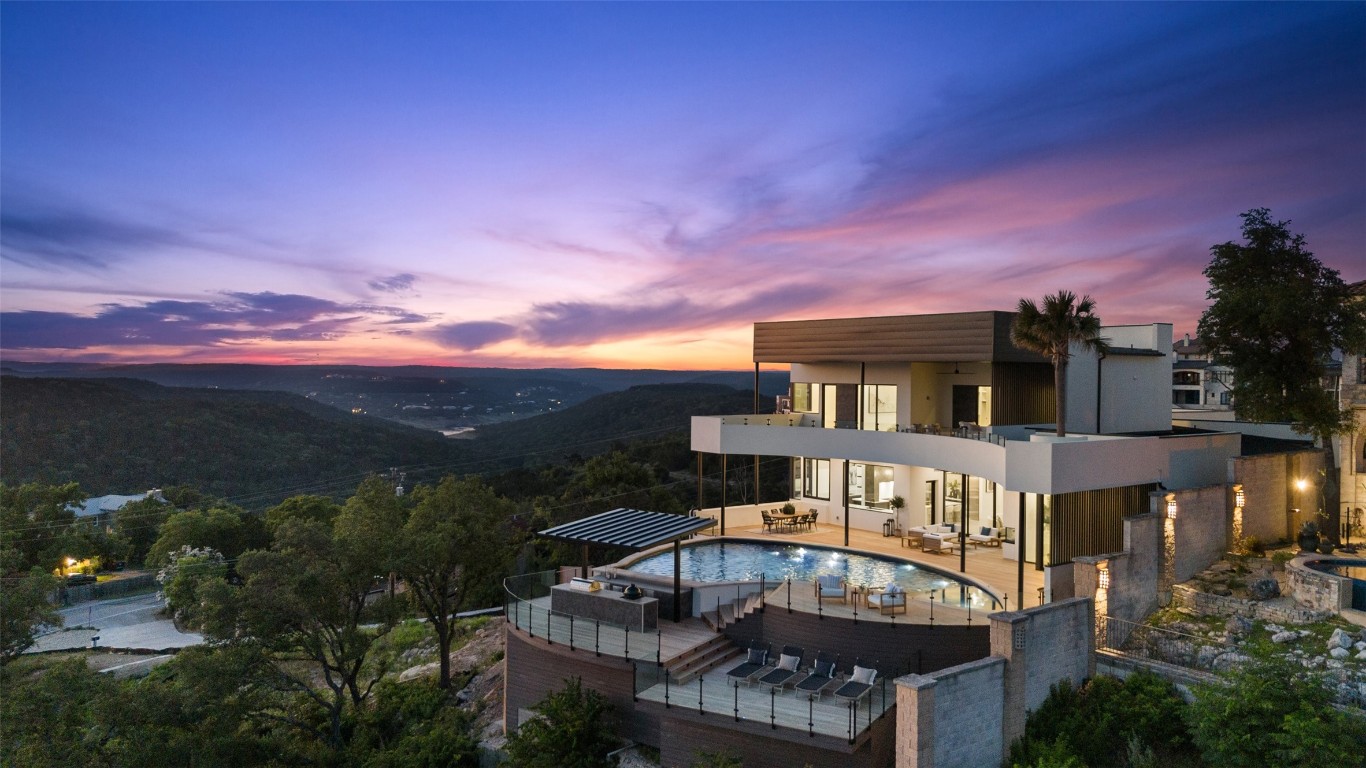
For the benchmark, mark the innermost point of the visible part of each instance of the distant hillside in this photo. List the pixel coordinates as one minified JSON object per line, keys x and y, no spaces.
{"x":120,"y":436}
{"x":645,"y":412}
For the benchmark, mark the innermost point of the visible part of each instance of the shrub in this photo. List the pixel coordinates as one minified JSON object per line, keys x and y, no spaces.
{"x":573,"y":730}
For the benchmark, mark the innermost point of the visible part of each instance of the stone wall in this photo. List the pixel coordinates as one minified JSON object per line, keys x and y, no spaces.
{"x":1201,"y":527}
{"x":1134,"y":578}
{"x":970,"y":714}
{"x":1270,"y":493}
{"x":1318,"y":591}
{"x":954,"y":716}
{"x":1279,"y":611}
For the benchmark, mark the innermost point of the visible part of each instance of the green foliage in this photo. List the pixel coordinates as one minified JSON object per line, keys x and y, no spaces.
{"x":24,"y":609}
{"x":1273,"y":712}
{"x":37,"y":523}
{"x":456,"y":547}
{"x":186,"y":579}
{"x":49,"y":717}
{"x":319,"y":508}
{"x":1051,"y":328}
{"x":218,"y":528}
{"x":414,"y":725}
{"x":1047,"y":754}
{"x":572,"y":730}
{"x":138,"y":524}
{"x":1275,"y":317}
{"x":1096,"y":722}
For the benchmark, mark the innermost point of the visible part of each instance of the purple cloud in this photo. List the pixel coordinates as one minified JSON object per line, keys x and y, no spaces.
{"x":393,"y":283}
{"x":75,"y":238}
{"x":240,"y":317}
{"x":472,"y":335}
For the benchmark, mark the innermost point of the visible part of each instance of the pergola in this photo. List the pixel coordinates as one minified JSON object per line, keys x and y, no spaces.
{"x":636,"y":529}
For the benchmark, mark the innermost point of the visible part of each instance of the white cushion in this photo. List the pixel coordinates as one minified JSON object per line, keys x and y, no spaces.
{"x":863,"y":675}
{"x":789,"y":663}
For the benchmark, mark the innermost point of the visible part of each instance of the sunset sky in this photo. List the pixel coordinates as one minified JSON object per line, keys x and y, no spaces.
{"x":634,"y":185}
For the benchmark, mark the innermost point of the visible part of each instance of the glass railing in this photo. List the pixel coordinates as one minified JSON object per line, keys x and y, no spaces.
{"x":528,"y":610}
{"x":822,"y":714}
{"x":814,"y":421}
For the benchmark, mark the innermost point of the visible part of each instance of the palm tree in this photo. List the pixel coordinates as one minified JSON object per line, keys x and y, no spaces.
{"x":1051,"y":328}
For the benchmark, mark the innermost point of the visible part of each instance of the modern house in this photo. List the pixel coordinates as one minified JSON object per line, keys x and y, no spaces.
{"x":946,"y":413}
{"x":937,"y":530}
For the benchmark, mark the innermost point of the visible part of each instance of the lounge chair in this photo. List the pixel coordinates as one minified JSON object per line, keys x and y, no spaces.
{"x":859,"y":684}
{"x":890,"y":600}
{"x":822,"y":675}
{"x":831,"y":587}
{"x":789,"y":662}
{"x":944,"y":542}
{"x":986,"y":536}
{"x":756,"y":661}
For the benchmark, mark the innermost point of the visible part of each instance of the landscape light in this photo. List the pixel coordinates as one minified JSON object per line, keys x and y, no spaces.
{"x":1103,"y":576}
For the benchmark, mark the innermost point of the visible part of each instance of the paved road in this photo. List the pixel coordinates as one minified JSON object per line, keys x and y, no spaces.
{"x":126,"y":623}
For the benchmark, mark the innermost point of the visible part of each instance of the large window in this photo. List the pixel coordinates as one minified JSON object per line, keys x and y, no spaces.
{"x":812,"y":478}
{"x":871,"y":486}
{"x":806,"y":397}
{"x":879,"y":407}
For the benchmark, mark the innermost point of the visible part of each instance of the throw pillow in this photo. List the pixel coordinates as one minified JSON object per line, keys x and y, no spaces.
{"x":789,"y":663}
{"x":825,"y":668}
{"x":757,"y":656}
{"x":986,"y":531}
{"x":863,"y":675}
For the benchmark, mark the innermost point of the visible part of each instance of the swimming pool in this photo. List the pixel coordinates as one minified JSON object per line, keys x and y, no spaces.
{"x":713,"y":561}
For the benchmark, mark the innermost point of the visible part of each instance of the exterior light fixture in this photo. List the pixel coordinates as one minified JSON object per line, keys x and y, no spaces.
{"x":1171,"y":508}
{"x":1239,"y":500}
{"x":1301,"y":484}
{"x":1103,"y":577}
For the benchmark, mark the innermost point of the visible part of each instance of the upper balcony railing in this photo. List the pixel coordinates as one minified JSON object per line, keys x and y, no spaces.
{"x":964,"y":430}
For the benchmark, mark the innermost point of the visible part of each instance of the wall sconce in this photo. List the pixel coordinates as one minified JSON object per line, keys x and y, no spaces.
{"x":1239,"y":500}
{"x":1103,"y":578}
{"x":1171,"y":507}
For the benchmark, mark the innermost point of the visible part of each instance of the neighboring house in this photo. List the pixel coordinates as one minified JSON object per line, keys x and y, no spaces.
{"x":102,"y":510}
{"x":1351,"y":446}
{"x":1198,"y":383}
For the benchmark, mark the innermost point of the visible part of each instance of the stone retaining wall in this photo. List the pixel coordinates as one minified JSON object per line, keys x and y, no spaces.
{"x":1320,"y":591}
{"x":1280,"y":611}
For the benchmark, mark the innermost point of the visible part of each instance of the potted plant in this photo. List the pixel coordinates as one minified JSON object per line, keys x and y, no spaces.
{"x":789,"y":509}
{"x":897,"y":504}
{"x":1309,"y":537}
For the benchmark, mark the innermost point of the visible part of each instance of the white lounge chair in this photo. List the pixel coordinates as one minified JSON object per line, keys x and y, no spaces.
{"x":986,"y":536}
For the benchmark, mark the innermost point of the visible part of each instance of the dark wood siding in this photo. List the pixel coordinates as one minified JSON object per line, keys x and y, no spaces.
{"x":954,"y":337}
{"x":1022,"y":393}
{"x":1092,"y":522}
{"x":757,"y":745}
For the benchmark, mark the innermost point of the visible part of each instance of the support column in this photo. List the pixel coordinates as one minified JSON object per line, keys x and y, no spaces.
{"x":963,"y":525}
{"x":678,"y":579}
{"x":846,"y":502}
{"x":1020,"y":552}
{"x":757,"y":499}
{"x":723,"y":494}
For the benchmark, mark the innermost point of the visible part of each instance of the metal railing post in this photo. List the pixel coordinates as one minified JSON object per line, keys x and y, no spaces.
{"x":931,"y":610}
{"x":763,"y":593}
{"x":773,"y":707}
{"x":700,"y":710}
{"x":548,"y":617}
{"x":597,"y":637}
{"x":788,"y":580}
{"x":810,"y":716}
{"x":666,"y":689}
{"x":627,"y":652}
{"x":571,"y":631}
{"x":659,"y":648}
{"x":736,"y":688}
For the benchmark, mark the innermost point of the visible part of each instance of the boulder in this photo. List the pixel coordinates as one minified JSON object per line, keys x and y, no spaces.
{"x":1283,"y":637}
{"x":1223,"y":566}
{"x":1361,"y":655}
{"x":1204,"y":658}
{"x":1239,"y":625}
{"x":1339,"y":639}
{"x":1263,"y":589}
{"x":1339,"y":653}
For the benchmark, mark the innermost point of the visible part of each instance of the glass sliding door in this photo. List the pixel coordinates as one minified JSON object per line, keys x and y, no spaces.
{"x":879,"y":407}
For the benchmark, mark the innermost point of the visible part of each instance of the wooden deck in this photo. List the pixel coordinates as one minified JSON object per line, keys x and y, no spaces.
{"x":824,"y":715}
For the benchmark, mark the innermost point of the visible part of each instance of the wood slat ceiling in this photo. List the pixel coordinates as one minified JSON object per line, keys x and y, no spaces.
{"x":945,"y":338}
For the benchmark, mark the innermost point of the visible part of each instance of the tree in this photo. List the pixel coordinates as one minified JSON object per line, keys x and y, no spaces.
{"x":184,"y":578}
{"x":1051,"y":328}
{"x":217,"y":528}
{"x":572,"y":731}
{"x":37,"y":521}
{"x":1276,"y":315}
{"x":24,"y":609}
{"x":307,"y":603}
{"x":139,"y":524}
{"x":319,"y":508}
{"x":455,"y":545}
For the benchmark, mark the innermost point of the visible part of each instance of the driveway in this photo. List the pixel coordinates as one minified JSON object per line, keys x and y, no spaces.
{"x":131,"y":623}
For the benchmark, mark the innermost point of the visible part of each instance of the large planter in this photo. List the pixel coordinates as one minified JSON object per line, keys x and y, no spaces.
{"x":1309,"y":542}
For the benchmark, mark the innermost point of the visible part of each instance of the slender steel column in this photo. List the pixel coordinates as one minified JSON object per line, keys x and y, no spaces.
{"x":723,"y":494}
{"x":678,"y":580}
{"x":1020,"y":550}
{"x":846,"y":502}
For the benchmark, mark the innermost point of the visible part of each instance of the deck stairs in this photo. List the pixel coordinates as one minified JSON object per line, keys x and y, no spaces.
{"x":731,"y":611}
{"x":702,"y":658}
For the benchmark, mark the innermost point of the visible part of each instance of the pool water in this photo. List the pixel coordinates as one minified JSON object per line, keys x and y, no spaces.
{"x":745,"y":561}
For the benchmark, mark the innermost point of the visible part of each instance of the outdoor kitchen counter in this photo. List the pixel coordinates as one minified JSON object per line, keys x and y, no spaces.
{"x":606,"y":605}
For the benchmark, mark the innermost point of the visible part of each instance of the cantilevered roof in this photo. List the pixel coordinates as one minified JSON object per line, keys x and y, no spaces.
{"x":633,"y":528}
{"x":945,"y":338}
